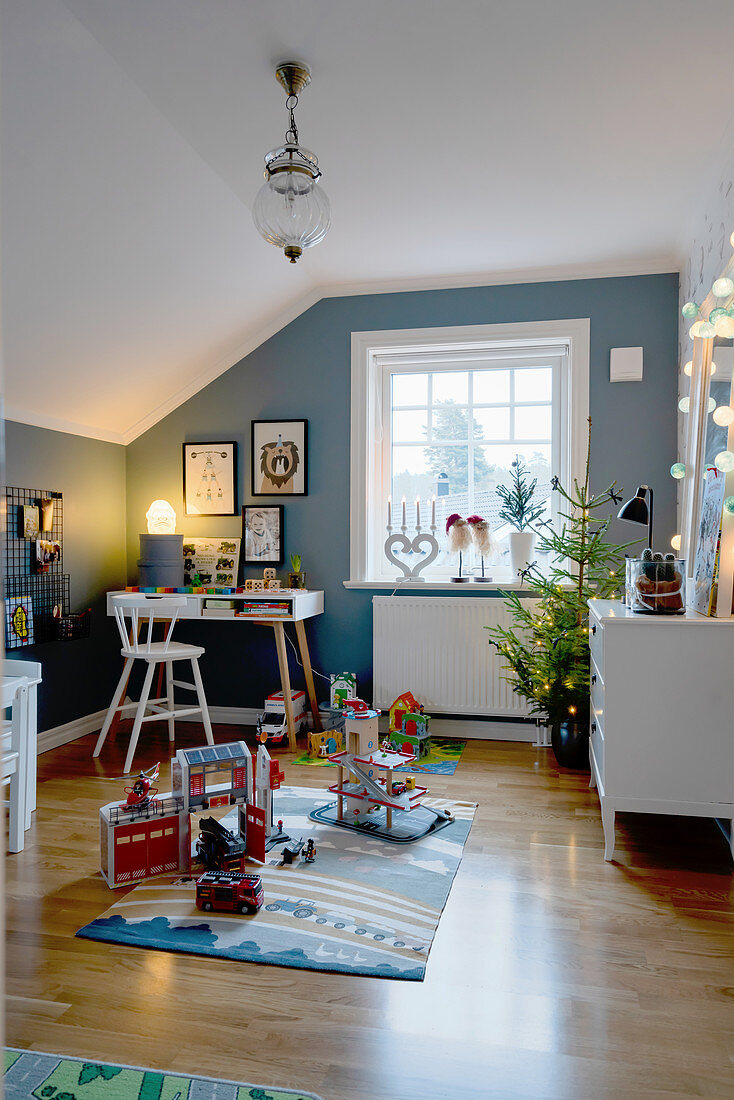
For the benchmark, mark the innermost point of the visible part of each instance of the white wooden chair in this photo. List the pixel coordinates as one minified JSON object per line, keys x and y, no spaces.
{"x":32,"y":671}
{"x":138,"y":645}
{"x":15,"y":756}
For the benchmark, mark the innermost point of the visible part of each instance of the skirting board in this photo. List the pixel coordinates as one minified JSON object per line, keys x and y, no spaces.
{"x":479,"y":729}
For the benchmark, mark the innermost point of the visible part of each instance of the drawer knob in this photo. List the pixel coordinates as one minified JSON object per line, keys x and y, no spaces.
{"x":593,"y":629}
{"x":593,"y":727}
{"x":593,"y":678}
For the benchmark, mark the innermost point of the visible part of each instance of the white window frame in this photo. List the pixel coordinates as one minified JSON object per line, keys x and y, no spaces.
{"x":375,"y":355}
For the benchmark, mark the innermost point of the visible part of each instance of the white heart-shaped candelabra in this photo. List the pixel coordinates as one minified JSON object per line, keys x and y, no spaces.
{"x":406,"y":546}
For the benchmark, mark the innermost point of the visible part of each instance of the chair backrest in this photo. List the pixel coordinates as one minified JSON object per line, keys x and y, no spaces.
{"x":141,"y":609}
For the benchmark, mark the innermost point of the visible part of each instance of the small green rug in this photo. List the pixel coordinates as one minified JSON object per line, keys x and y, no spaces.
{"x":445,"y":754}
{"x":33,"y":1075}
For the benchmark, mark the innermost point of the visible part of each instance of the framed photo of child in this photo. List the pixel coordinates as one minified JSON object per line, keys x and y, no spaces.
{"x":262,"y":532}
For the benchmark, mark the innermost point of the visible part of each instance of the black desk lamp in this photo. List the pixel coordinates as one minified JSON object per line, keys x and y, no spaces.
{"x":636,"y":510}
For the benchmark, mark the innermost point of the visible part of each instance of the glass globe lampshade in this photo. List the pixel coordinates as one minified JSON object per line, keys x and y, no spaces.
{"x":161,"y":518}
{"x":292,"y":212}
{"x":724,"y":416}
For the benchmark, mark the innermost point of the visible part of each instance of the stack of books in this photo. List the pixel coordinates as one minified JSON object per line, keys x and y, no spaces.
{"x":265,"y":609}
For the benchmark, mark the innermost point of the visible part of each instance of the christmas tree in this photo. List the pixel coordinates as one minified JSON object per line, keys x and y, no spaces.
{"x":547,"y":647}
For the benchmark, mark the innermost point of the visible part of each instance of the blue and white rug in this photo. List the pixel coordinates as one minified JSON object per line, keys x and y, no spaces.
{"x":364,"y":906}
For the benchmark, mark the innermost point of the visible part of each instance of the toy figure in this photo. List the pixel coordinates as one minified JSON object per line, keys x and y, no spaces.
{"x":310,"y":854}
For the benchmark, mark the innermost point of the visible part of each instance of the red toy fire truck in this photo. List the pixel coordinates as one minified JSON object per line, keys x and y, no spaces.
{"x":232,"y":891}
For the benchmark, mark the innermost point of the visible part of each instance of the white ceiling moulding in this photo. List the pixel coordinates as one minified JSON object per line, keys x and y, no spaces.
{"x":213,"y":371}
{"x":57,"y":424}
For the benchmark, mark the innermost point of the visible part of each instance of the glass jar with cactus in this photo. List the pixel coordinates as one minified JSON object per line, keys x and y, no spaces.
{"x":296,"y":578}
{"x":656,"y":584}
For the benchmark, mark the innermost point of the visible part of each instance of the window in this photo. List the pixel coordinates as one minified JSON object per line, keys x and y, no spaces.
{"x":438,"y":416}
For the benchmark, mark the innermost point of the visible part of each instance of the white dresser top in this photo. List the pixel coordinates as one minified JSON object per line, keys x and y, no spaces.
{"x":610,"y":611}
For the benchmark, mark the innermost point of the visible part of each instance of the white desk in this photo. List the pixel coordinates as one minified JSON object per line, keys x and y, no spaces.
{"x":662,"y":732}
{"x":304,"y":604}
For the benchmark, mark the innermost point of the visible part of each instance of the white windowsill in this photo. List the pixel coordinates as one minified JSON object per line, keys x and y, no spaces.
{"x":433,"y":586}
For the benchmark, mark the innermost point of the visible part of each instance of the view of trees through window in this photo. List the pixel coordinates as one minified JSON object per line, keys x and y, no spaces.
{"x":455,"y":433}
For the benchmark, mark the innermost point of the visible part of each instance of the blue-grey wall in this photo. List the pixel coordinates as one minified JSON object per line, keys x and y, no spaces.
{"x":304,"y":371}
{"x":79,"y":676}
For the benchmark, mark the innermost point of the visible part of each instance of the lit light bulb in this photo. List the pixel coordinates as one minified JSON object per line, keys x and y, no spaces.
{"x":725,"y":326}
{"x":724,"y":461}
{"x":690,"y":310}
{"x":572,"y":710}
{"x":688,"y":368}
{"x":678,"y":470}
{"x":161,"y":518}
{"x":675,"y":542}
{"x":695,"y":329}
{"x":724,"y":416}
{"x":684,"y":404}
{"x":712,"y":368}
{"x":731,"y":240}
{"x":729,"y":505}
{"x":711,"y":404}
{"x":722,"y":288}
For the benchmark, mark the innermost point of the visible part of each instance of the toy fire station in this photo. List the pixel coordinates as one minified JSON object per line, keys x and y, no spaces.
{"x":153,"y":835}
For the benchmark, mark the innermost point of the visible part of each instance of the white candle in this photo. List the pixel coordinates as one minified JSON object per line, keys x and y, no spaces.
{"x":433,"y":511}
{"x":403,"y":511}
{"x":389,"y":511}
{"x":417,"y":511}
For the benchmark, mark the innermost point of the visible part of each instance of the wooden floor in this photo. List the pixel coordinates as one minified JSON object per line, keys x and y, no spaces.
{"x":553,"y":973}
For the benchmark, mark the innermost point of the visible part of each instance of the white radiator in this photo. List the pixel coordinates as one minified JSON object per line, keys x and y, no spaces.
{"x":437,"y":648}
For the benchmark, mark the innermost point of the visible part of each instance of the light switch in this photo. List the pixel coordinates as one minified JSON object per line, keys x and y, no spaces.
{"x":625,"y":365}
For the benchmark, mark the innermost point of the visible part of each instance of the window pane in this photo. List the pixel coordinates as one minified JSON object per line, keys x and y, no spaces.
{"x":450,"y":422}
{"x":449,"y":468}
{"x":412,"y":476}
{"x":533,"y":422}
{"x":534,"y":384}
{"x":409,"y":427}
{"x":491,"y":386}
{"x":451,"y":385}
{"x":410,"y":389}
{"x":493,"y":423}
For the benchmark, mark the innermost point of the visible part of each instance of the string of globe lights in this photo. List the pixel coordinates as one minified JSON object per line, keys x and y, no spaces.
{"x":720,"y":322}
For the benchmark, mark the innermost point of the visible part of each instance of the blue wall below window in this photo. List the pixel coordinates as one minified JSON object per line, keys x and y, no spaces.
{"x":304,"y":371}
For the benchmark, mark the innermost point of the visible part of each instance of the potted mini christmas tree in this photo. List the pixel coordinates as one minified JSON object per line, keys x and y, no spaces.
{"x":519,"y":511}
{"x":547,"y":647}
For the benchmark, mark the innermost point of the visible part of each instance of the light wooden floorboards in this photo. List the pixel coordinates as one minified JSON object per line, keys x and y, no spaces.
{"x":553,"y":974}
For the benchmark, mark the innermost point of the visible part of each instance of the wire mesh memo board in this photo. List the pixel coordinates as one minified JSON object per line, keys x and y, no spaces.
{"x":44,"y":596}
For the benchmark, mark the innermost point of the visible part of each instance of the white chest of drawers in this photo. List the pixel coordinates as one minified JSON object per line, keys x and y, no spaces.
{"x":662,"y":714}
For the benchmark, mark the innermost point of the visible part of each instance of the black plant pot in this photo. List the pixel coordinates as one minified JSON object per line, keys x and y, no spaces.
{"x":570,"y":741}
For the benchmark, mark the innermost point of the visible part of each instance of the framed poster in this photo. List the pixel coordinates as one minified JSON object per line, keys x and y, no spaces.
{"x":279,"y":458}
{"x":215,"y":560}
{"x":262,"y":530}
{"x":31,"y":521}
{"x":210,"y":479}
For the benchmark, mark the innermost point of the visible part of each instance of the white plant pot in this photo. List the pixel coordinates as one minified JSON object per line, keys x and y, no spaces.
{"x":521,"y":550}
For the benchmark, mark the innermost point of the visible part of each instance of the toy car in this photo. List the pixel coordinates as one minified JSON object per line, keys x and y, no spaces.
{"x":230,"y":891}
{"x":399,"y":788}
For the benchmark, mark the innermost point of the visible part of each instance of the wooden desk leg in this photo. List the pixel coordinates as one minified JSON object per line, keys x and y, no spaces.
{"x":308,"y":673}
{"x":285,"y":683}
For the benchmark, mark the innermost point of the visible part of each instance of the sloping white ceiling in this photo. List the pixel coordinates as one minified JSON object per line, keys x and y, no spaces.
{"x":457,"y":140}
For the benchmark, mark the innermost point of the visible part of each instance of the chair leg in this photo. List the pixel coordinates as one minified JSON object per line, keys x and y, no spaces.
{"x":119,"y":692}
{"x":202,"y":701}
{"x":170,"y":701}
{"x":27,"y":751}
{"x":137,"y":724}
{"x":16,"y":811}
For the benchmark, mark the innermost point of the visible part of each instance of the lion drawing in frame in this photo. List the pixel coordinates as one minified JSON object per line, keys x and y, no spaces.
{"x":279,"y":461}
